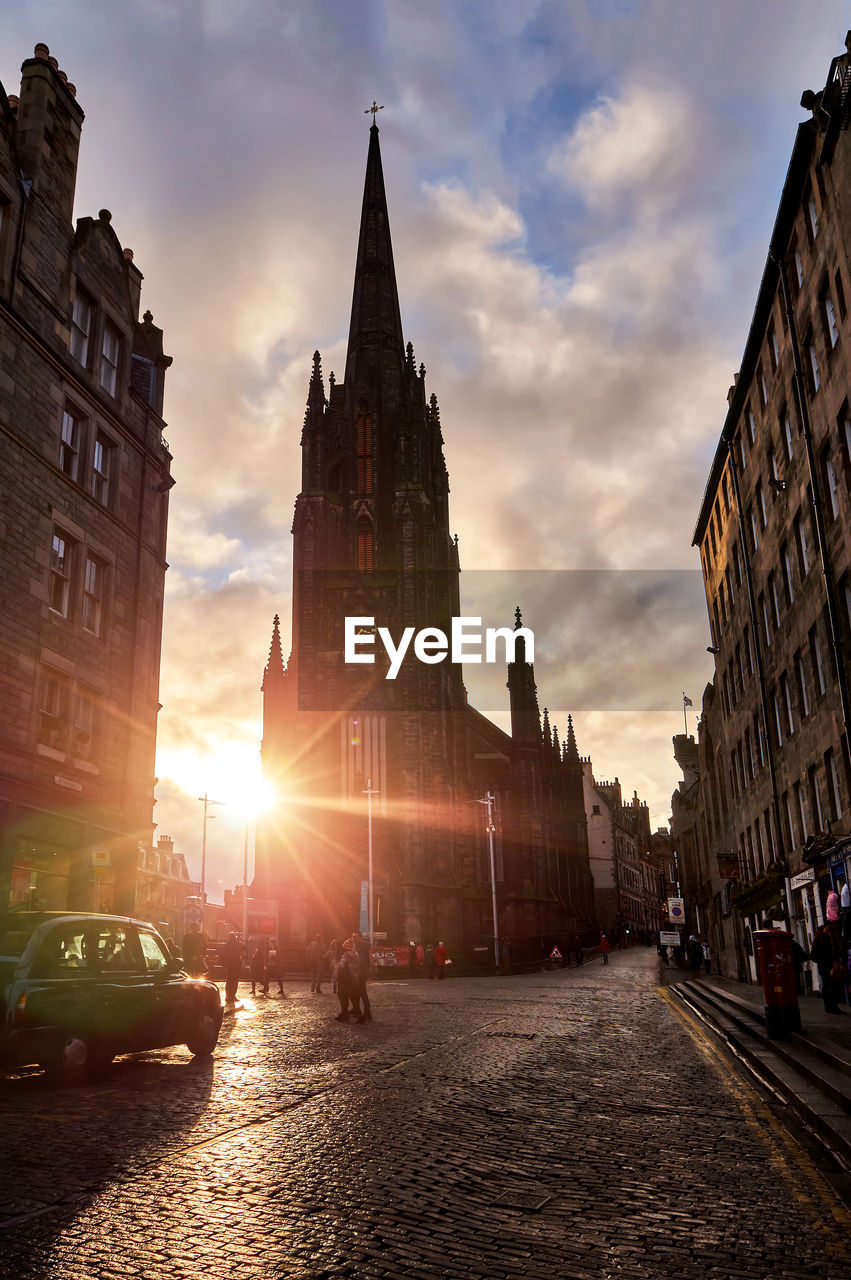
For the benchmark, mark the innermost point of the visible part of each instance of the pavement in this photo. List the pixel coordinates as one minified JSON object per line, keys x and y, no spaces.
{"x":571,"y":1124}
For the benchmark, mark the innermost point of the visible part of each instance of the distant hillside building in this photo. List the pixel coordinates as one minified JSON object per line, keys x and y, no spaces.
{"x":85,"y":474}
{"x":774,"y":533}
{"x":626,"y":880}
{"x":372,"y":540}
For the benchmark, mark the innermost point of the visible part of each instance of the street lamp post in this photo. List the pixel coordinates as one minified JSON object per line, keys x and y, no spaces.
{"x":488,"y":802}
{"x":245,"y":890}
{"x":369,"y":793}
{"x":206,"y":801}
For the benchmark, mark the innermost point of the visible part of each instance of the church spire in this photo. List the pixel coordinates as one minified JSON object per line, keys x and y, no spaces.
{"x":571,"y":751}
{"x":375,"y":333}
{"x":275,"y":665}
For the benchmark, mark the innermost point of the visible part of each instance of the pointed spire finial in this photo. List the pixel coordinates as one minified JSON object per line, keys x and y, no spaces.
{"x":373,"y":111}
{"x":275,"y":665}
{"x":518,"y":619}
{"x":571,"y":750}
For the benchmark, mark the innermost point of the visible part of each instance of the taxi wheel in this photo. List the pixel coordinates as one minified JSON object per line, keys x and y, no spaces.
{"x":74,"y":1058}
{"x":204,"y":1037}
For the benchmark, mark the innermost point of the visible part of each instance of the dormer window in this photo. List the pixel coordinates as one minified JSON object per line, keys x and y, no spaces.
{"x":110,"y":349}
{"x":81,"y":327}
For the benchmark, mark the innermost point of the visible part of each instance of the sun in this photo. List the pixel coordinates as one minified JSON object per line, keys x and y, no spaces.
{"x":228,"y":773}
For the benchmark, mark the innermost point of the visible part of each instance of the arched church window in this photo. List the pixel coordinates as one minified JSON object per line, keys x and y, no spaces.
{"x":365,"y":456}
{"x":365,"y":546}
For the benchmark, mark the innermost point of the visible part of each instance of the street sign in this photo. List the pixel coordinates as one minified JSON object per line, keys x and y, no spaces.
{"x":669,"y":938}
{"x":676,"y":910}
{"x":555,"y":954}
{"x":192,"y":913}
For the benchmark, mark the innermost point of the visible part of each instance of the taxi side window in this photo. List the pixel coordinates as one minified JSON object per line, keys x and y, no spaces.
{"x":156,"y":959}
{"x":118,"y":950}
{"x":63,"y":953}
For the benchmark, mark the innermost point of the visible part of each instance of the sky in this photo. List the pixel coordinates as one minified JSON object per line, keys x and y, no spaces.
{"x":581,"y":194}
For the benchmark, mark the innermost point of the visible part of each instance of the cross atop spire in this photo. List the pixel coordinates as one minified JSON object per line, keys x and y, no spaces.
{"x":372,"y":111}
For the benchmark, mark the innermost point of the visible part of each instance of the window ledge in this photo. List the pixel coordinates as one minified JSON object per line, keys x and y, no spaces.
{"x":49,"y":752}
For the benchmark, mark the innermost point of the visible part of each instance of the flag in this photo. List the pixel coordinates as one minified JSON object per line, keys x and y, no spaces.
{"x":687,"y":702}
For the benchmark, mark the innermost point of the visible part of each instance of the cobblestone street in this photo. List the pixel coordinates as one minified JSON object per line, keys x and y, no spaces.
{"x":563,"y":1124}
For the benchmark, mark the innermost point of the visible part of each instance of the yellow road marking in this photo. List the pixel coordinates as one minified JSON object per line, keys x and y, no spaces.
{"x":781,"y":1145}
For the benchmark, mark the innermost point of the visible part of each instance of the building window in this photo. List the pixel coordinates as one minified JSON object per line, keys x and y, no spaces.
{"x":743,"y":453}
{"x":758,"y":740}
{"x":754,"y":529}
{"x":831,"y":328}
{"x":774,"y":596}
{"x":773,"y":347}
{"x":812,"y":216}
{"x":763,"y":510}
{"x":365,"y":547}
{"x":85,"y":724}
{"x":725,"y":489}
{"x":844,"y":424}
{"x":93,"y":595}
{"x":53,"y":697}
{"x":777,"y":717}
{"x":110,"y":348}
{"x":801,"y":681}
{"x":787,"y":703}
{"x":737,"y":564}
{"x":786,"y":565}
{"x":801,"y":544}
{"x":751,"y":423}
{"x":831,"y":485}
{"x":102,"y":466}
{"x":69,"y":444}
{"x":748,"y":644}
{"x":766,"y":620}
{"x":815,"y":376}
{"x":833,"y":793}
{"x":81,"y":327}
{"x":364,"y":441}
{"x":815,"y":660}
{"x":840,"y":294}
{"x":61,"y":565}
{"x":762,"y":384}
{"x":787,"y":436}
{"x":801,"y":812}
{"x":815,"y":799}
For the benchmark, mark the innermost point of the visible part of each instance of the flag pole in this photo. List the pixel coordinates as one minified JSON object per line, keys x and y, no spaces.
{"x":685,"y":714}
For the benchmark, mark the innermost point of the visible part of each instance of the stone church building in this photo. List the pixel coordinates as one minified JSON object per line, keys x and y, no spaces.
{"x":372,"y":541}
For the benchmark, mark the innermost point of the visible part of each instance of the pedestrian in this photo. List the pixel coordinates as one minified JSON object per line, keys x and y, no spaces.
{"x":695,"y":955}
{"x":707,"y":956}
{"x":258,"y":968}
{"x":831,"y":910}
{"x":845,"y":912}
{"x":441,"y":960}
{"x":332,"y":959}
{"x":232,"y":961}
{"x":604,"y":948}
{"x":315,"y":958}
{"x":828,"y":957}
{"x":420,"y":959}
{"x":364,"y":960}
{"x":193,"y":952}
{"x":348,"y":982}
{"x":429,"y":961}
{"x":412,"y":957}
{"x":506,"y":953}
{"x":274,"y":969}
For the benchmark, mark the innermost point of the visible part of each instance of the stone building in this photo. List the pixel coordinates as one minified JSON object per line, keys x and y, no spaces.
{"x":163,"y":888}
{"x":775,"y":546}
{"x":85,"y":475}
{"x":372,"y":542}
{"x":623,"y":867}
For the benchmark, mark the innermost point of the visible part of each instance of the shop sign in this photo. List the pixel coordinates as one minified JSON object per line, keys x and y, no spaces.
{"x":67,"y":782}
{"x":667,"y":938}
{"x":100,"y":858}
{"x":802,"y":878}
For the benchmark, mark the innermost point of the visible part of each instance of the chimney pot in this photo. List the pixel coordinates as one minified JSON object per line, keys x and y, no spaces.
{"x":128,"y":253}
{"x":41,"y":51}
{"x":13,"y":101}
{"x":105,"y":216}
{"x":53,"y":62}
{"x":63,"y":77}
{"x":72,"y":89}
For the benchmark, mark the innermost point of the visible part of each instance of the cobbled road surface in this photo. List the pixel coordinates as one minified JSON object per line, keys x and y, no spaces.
{"x":562,"y":1124}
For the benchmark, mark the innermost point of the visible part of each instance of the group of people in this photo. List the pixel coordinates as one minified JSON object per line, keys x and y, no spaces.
{"x":346,"y":965}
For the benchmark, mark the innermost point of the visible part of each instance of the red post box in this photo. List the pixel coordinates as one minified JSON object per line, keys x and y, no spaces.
{"x":779,"y":984}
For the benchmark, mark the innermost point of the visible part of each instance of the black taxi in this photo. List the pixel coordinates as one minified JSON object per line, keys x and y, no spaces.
{"x":76,"y":989}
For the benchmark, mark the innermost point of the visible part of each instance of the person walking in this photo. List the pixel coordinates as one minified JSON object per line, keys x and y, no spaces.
{"x":258,"y":968}
{"x":194,"y":951}
{"x":316,"y":958}
{"x":232,"y":961}
{"x":604,"y":948}
{"x":826,"y":952}
{"x":441,"y":959}
{"x":429,"y":961}
{"x":707,"y":956}
{"x":348,"y":982}
{"x":332,"y":959}
{"x":412,"y":957}
{"x":364,"y":960}
{"x":274,"y":969}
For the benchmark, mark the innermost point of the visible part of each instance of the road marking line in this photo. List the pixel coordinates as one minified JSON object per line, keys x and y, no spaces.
{"x":758,"y":1117}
